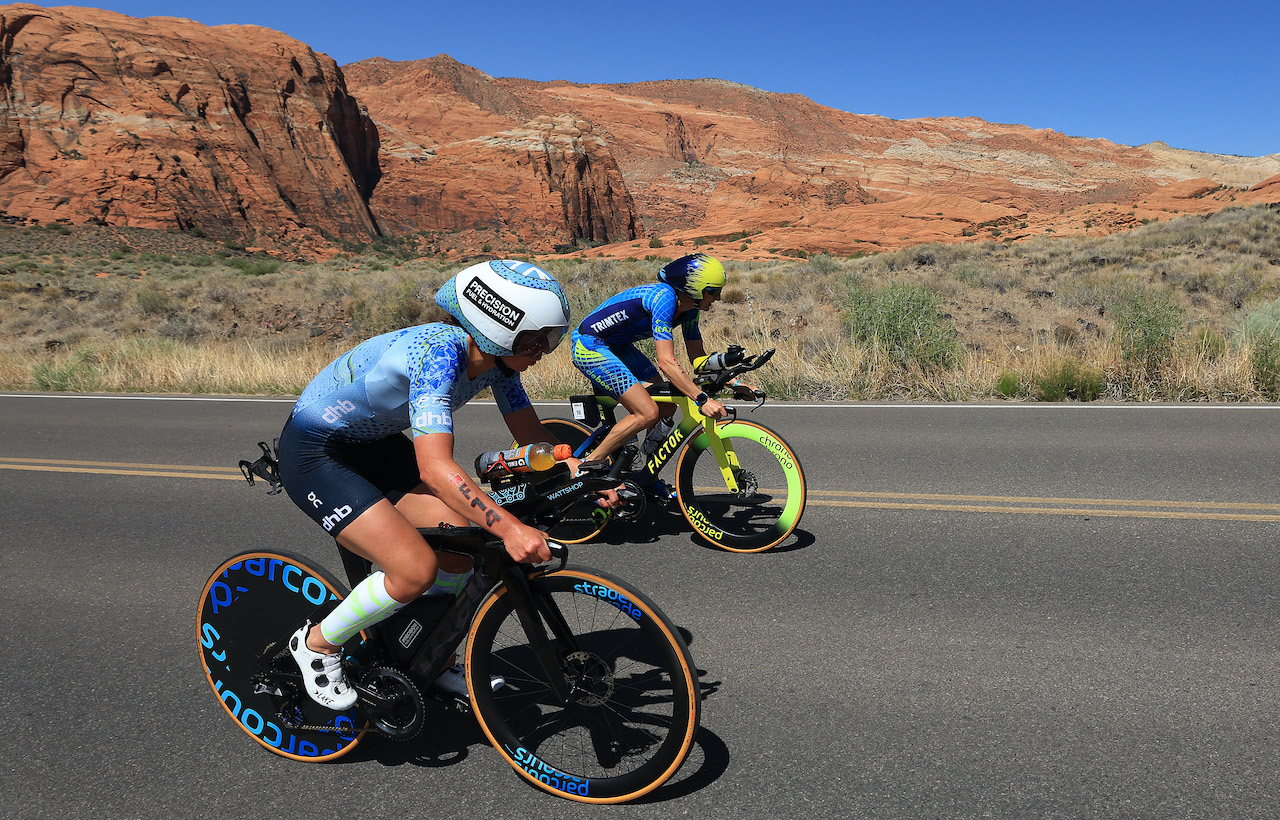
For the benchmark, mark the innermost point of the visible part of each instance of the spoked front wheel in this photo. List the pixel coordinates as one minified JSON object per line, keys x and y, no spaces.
{"x":634,"y":699}
{"x":764,"y":505}
{"x":248,"y":609}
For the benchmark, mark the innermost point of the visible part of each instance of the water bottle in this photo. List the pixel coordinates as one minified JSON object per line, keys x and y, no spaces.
{"x":658,"y":435}
{"x":720,"y":361}
{"x":531,"y":458}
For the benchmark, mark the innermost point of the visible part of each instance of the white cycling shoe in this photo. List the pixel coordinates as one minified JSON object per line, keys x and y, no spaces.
{"x":454,"y":681}
{"x":322,"y":673}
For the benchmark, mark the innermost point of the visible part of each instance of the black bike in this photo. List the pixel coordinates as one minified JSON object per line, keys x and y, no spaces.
{"x":601,"y":699}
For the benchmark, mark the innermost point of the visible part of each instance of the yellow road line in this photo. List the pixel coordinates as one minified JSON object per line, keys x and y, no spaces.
{"x":49,"y":465}
{"x":1083,"y":511}
{"x":932,"y":502}
{"x":1004,"y":499}
{"x":124,"y":465}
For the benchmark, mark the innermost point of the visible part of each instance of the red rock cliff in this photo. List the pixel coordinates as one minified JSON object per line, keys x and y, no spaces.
{"x":239,"y":131}
{"x":463,"y":152}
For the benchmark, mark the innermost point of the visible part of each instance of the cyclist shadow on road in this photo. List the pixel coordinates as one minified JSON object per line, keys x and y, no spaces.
{"x":657,"y":522}
{"x":453,"y":732}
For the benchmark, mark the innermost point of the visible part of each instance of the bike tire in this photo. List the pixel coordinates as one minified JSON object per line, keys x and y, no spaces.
{"x":585,"y":519}
{"x":636,"y":699}
{"x":751,"y":521}
{"x":251,"y":600}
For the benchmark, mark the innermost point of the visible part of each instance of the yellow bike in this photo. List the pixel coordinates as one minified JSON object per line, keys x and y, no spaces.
{"x":738,"y":483}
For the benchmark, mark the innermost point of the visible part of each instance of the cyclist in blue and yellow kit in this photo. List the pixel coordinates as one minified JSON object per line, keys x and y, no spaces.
{"x":604,"y":348}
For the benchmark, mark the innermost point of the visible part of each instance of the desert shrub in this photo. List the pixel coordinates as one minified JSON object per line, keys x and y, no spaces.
{"x":905,"y":323}
{"x":1208,"y":343}
{"x":1147,"y":328}
{"x":1259,"y":334}
{"x":1009,"y":384}
{"x":253,"y":267}
{"x":1067,"y":378}
{"x":152,"y":301}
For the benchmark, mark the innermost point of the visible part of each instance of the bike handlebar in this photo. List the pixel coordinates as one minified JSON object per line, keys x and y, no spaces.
{"x":715,"y":382}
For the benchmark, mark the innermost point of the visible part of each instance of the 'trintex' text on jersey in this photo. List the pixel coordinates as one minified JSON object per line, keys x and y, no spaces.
{"x":609,"y":321}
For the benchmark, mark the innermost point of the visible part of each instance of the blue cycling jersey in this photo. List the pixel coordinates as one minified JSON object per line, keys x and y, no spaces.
{"x":410,"y":379}
{"x":642,"y":312}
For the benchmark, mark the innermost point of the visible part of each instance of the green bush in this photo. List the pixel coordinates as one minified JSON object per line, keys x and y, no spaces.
{"x":253,"y":267}
{"x":1260,"y":332}
{"x":1009,"y":384}
{"x":153,"y":302}
{"x":1068,"y":379}
{"x":905,"y":323}
{"x":655,"y":242}
{"x":1147,"y":328}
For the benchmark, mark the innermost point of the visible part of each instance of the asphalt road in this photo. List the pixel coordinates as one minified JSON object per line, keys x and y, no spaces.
{"x":1016,"y":611}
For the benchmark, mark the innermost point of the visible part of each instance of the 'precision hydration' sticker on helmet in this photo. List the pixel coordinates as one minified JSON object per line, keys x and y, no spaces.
{"x":493,"y":305}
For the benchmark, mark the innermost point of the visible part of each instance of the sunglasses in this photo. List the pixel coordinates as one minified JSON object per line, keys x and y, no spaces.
{"x":715,"y":292}
{"x":534,"y":342}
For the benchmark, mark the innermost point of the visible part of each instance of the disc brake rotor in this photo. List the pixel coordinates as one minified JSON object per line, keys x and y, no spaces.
{"x":590,"y":678}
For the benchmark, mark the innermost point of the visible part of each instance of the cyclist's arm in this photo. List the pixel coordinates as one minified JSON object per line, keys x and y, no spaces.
{"x":526,"y":428}
{"x":674,"y":373}
{"x":695,"y":349}
{"x":449,"y":482}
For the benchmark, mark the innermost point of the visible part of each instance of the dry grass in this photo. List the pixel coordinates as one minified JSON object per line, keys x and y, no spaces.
{"x":1169,"y":311}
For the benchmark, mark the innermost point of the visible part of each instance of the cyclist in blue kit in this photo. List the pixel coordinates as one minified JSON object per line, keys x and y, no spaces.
{"x":345,"y":462}
{"x":604,"y":349}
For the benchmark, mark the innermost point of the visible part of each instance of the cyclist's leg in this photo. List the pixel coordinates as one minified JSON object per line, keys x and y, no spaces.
{"x":345,"y":489}
{"x":619,"y":371}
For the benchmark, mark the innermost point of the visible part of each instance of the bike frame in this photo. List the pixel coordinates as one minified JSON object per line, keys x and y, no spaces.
{"x":690,"y":419}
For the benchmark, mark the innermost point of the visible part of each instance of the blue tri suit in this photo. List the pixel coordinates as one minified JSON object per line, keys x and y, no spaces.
{"x":342,"y":449}
{"x":604,"y":341}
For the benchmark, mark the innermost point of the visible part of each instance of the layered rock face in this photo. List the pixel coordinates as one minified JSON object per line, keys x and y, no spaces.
{"x":708,"y":161}
{"x":239,"y":131}
{"x":249,"y":135}
{"x":463,"y":153}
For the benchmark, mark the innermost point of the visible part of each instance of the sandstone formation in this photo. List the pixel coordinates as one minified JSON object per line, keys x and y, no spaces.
{"x":238,"y":131}
{"x":461,"y":153}
{"x":747,"y":173}
{"x":249,"y":135}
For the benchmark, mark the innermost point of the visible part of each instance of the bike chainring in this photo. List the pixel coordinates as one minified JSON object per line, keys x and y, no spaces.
{"x":392,"y":703}
{"x":633,"y":502}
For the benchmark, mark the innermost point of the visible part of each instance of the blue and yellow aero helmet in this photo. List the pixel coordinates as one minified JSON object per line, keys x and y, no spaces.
{"x":693,"y":274}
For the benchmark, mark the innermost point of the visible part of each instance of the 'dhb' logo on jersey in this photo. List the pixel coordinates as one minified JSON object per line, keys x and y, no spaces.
{"x":493,"y":305}
{"x":336,"y":411}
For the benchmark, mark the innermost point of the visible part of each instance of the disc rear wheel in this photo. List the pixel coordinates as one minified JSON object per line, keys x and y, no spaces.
{"x":249,"y":607}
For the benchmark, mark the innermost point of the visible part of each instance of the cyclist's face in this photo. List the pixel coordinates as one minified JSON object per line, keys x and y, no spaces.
{"x":709,"y":297}
{"x":532,"y":345}
{"x":538,"y":342}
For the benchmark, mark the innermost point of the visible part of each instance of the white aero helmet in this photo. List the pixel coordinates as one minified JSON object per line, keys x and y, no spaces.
{"x":501,"y":301}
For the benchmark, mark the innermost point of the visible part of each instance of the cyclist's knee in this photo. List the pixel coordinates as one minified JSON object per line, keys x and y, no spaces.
{"x":410,"y":582}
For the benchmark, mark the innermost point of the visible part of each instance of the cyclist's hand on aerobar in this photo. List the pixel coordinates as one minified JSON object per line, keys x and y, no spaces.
{"x":713,"y":408}
{"x":527,"y":545}
{"x":747,"y":392}
{"x":608,"y":498}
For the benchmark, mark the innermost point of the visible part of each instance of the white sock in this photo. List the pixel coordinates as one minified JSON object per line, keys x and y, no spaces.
{"x":367,"y":604}
{"x":449,"y":583}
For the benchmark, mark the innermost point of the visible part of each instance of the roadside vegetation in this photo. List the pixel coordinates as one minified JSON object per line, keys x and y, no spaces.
{"x":1186,"y":310}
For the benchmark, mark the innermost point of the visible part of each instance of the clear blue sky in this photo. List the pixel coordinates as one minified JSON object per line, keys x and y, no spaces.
{"x":1197,"y":75}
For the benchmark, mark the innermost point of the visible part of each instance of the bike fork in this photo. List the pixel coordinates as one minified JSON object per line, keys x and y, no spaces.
{"x":722,"y":450}
{"x":531,"y":619}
